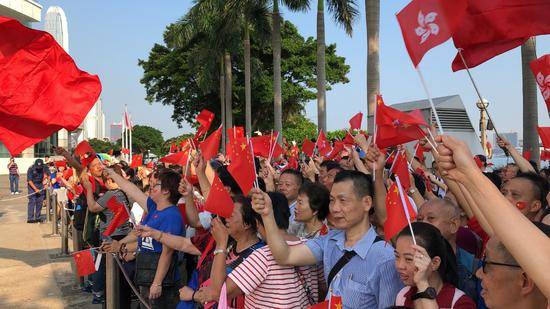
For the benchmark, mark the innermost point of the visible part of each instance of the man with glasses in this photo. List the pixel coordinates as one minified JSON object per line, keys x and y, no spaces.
{"x":504,"y":283}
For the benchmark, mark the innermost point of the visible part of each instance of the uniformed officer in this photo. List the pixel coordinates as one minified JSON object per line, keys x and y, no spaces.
{"x":35,"y":184}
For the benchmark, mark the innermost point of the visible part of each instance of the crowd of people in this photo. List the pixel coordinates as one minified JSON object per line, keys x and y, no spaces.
{"x":480,"y":236}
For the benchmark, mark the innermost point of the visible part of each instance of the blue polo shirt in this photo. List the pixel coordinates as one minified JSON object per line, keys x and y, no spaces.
{"x":369,"y":279}
{"x":167,"y":220}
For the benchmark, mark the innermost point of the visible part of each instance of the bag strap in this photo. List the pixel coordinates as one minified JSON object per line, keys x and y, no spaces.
{"x":348,"y":255}
{"x":309,"y":294}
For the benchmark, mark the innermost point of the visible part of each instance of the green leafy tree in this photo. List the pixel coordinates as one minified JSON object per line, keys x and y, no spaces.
{"x":101,"y":146}
{"x":177,"y":76}
{"x":299,"y":127}
{"x":336,"y":135}
{"x":145,"y":138}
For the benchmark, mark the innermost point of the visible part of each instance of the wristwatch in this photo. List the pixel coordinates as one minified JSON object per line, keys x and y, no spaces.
{"x":411,"y":191}
{"x":429,"y":293}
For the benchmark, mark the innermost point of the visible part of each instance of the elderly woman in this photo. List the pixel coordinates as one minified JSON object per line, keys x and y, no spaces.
{"x":311,"y":210}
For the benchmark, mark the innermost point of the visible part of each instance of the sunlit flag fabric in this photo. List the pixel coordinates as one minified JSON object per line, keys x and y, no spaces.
{"x":210,"y":146}
{"x":120,"y":212}
{"x":137,"y":160}
{"x":394,"y":127}
{"x":85,"y":152}
{"x":428,"y":23}
{"x":541,"y":70}
{"x":219,"y":201}
{"x":266,"y":146}
{"x":492,"y":27}
{"x":355,"y":121}
{"x":242,"y":165}
{"x":232,"y":134}
{"x":204,"y":118}
{"x":84,"y":262}
{"x":396,"y":216}
{"x":42,"y":89}
{"x":178,"y":158}
{"x":544,"y":133}
{"x":307,"y":147}
{"x":400,"y":168}
{"x":323,"y":146}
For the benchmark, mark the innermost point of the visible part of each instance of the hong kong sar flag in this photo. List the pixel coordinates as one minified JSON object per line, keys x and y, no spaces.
{"x":428,"y":23}
{"x":541,"y":70}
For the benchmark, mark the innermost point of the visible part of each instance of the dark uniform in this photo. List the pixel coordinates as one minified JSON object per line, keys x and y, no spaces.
{"x":35,"y":174}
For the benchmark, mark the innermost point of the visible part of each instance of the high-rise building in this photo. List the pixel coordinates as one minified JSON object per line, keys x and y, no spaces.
{"x":116,"y":131}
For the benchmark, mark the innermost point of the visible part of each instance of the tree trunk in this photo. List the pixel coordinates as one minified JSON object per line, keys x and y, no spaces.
{"x":247,"y":86}
{"x":228,"y":92}
{"x":276,"y":45}
{"x":222,"y":101}
{"x":530,"y":113}
{"x":321,"y":74}
{"x":372,"y":8}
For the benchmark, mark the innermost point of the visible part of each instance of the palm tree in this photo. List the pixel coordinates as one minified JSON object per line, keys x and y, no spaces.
{"x":344,"y":13}
{"x":372,"y":17}
{"x":294,"y":5}
{"x":530,"y":112}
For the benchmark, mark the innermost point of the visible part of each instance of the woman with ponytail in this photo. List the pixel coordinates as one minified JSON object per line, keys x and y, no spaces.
{"x":428,"y":269}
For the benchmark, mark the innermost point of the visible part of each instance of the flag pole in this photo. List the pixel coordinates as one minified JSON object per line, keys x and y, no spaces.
{"x":253,"y":161}
{"x":374,"y":140}
{"x":274,"y":145}
{"x":423,"y":82}
{"x":402,"y":196}
{"x":122,"y":139}
{"x":476,"y":89}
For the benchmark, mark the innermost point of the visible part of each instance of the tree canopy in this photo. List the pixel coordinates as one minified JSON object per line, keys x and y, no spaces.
{"x":185,"y":78}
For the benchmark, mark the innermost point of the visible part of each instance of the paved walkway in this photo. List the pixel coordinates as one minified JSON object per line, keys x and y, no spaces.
{"x":30,"y":275}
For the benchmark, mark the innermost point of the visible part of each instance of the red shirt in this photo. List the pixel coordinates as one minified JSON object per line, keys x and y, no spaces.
{"x":444,"y":298}
{"x":474,"y":225}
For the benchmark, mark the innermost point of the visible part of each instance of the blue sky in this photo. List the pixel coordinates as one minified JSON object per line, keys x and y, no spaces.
{"x":108,"y":37}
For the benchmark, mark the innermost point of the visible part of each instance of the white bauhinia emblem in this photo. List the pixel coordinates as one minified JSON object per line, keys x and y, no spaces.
{"x":427,"y":26}
{"x":544,"y":85}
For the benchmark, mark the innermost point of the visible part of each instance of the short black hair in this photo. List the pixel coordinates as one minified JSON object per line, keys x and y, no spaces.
{"x":539,"y":183}
{"x":295,"y":173}
{"x":318,"y":197}
{"x":228,"y":180}
{"x":250,"y":217}
{"x":281,"y":211}
{"x":329,"y":164}
{"x":170,"y":180}
{"x":362,"y":183}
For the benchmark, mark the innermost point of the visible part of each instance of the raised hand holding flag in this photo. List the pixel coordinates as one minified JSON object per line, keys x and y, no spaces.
{"x":120,"y":212}
{"x":219,"y":201}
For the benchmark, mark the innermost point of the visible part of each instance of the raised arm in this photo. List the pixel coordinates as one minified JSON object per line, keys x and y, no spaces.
{"x":299,"y":255}
{"x":72,"y":161}
{"x":376,"y":159}
{"x":129,"y":188}
{"x":522,"y":163}
{"x":527,"y":244}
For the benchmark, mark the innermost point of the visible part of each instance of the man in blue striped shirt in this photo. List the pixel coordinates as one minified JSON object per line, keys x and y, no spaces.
{"x":369,"y":279}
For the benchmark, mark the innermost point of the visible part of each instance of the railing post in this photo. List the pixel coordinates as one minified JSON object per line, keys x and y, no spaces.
{"x":48,"y":206}
{"x":53,"y":203}
{"x":77,"y":236}
{"x":111,"y":282}
{"x":64,"y":231}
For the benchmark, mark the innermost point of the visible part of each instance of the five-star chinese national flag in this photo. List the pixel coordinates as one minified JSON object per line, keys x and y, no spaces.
{"x":84,"y":262}
{"x":307,"y":147}
{"x":242,"y":165}
{"x":336,"y":150}
{"x":83,"y":148}
{"x":335,"y":302}
{"x":41,"y":88}
{"x":210,"y":146}
{"x":349,"y":140}
{"x":179,"y":158}
{"x":426,"y":24}
{"x":323,"y":146}
{"x":544,"y":133}
{"x":492,"y":27}
{"x":121,"y":215}
{"x":400,"y":168}
{"x":137,"y":160}
{"x":219,"y":201}
{"x":396,"y":217}
{"x":394,"y":127}
{"x":355,"y":121}
{"x":233,"y":134}
{"x":266,"y":146}
{"x":204,"y":118}
{"x":541,"y":70}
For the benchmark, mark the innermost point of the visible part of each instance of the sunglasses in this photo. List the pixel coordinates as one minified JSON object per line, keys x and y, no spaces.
{"x":484,"y":263}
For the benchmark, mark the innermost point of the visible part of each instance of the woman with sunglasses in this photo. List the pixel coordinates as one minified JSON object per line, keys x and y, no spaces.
{"x":428,"y":269}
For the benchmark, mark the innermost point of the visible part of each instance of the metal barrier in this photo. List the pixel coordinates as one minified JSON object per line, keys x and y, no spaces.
{"x":53,"y":204}
{"x":111,"y":282}
{"x":64,"y":230}
{"x":48,"y":206}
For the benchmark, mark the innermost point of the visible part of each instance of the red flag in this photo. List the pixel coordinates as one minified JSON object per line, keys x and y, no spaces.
{"x":43,"y":90}
{"x":349,"y":140}
{"x":62,"y":163}
{"x":394,"y":127}
{"x":541,"y":70}
{"x":242,"y":165}
{"x":544,"y":133}
{"x":83,"y":148}
{"x":335,"y":302}
{"x":127,"y":119}
{"x":323,"y":146}
{"x":219,"y":201}
{"x":426,"y":24}
{"x":120,"y":215}
{"x":355,"y":121}
{"x":427,"y":181}
{"x":110,"y":152}
{"x":205,"y":118}
{"x":491,"y":27}
{"x":233,"y":133}
{"x":210,"y":146}
{"x":419,"y":153}
{"x":396,"y":216}
{"x":545,"y":155}
{"x":84,"y":262}
{"x":173,"y":147}
{"x":336,"y":150}
{"x":401,"y":169}
{"x":307,"y":147}
{"x":137,"y":160}
{"x":125,"y":151}
{"x":527,"y":155}
{"x":178,"y":158}
{"x":266,"y":146}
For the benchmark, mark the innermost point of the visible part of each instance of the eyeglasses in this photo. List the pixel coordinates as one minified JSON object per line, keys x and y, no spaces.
{"x":484,"y":263}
